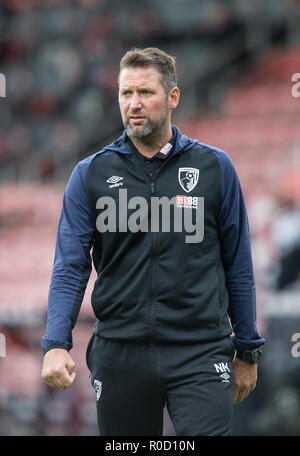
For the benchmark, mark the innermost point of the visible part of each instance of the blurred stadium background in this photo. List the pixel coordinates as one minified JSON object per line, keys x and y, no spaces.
{"x":60,"y":60}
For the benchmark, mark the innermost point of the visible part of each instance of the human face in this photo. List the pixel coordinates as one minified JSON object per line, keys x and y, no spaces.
{"x":145,"y":107}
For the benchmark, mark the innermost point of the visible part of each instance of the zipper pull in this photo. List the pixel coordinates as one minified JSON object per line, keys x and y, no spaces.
{"x":152,"y":188}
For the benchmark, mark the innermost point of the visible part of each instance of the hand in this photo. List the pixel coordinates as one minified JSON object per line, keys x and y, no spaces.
{"x":58,"y":369}
{"x":244,"y":379}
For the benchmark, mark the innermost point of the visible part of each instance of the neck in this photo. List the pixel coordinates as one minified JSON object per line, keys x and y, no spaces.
{"x":150,"y":146}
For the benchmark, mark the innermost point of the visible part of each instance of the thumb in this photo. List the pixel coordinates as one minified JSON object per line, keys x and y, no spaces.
{"x":70,"y":374}
{"x":70,"y":366}
{"x":73,"y":375}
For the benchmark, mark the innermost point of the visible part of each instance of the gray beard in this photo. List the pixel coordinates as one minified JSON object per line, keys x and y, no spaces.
{"x":138,"y":133}
{"x":146,"y":133}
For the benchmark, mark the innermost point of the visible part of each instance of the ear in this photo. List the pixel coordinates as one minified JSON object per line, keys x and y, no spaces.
{"x":174,"y":96}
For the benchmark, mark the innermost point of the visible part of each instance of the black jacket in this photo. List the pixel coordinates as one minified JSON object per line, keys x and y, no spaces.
{"x":158,"y":281}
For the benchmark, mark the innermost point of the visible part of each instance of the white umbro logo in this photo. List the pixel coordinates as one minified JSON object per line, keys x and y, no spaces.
{"x":115,"y":181}
{"x":225,"y":376}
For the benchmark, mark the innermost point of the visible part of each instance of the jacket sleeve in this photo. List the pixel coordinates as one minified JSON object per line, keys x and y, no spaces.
{"x":72,"y":262}
{"x":237,"y":258}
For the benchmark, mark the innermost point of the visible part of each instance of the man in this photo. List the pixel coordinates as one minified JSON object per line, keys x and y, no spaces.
{"x":163,"y":296}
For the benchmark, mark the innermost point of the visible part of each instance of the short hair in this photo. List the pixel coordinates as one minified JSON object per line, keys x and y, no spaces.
{"x":165,"y":63}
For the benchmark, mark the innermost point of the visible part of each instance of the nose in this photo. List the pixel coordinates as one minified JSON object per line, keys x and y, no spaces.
{"x":135,"y":102}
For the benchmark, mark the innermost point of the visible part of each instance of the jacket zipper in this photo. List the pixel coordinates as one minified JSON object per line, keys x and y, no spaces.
{"x":154,"y":251}
{"x":154,"y":259}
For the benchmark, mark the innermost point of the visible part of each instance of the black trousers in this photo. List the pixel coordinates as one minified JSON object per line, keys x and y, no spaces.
{"x":133,"y":382}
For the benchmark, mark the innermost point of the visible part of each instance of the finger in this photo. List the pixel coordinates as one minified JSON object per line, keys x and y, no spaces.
{"x":236,"y":394}
{"x":239,"y":395}
{"x":243,"y":394}
{"x":54,"y":382}
{"x":61,"y":379}
{"x":66,"y":379}
{"x":61,"y":383}
{"x":70,"y":366}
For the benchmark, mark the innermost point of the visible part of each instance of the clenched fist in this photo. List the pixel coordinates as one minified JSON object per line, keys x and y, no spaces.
{"x":58,"y":369}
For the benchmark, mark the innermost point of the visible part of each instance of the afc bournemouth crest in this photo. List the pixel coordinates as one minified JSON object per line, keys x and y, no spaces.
{"x":188,"y":178}
{"x":97,"y":388}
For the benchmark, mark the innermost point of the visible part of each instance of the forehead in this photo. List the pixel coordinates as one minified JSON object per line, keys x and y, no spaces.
{"x":137,"y":76}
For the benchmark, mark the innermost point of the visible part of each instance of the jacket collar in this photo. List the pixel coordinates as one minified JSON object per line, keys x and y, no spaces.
{"x":120,"y":146}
